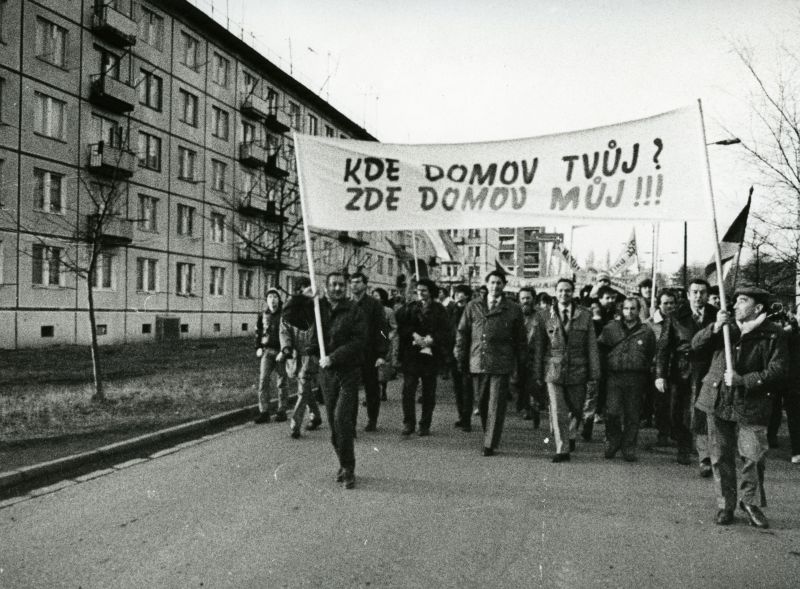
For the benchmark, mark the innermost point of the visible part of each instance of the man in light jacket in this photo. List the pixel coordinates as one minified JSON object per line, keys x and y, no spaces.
{"x":567,"y":359}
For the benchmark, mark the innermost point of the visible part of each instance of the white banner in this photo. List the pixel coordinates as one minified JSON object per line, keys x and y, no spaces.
{"x":650,"y":169}
{"x":628,"y":256}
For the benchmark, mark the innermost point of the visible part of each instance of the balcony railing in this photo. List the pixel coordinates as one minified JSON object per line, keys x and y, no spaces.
{"x":112,"y":94}
{"x":253,"y":154}
{"x":113,"y":25}
{"x":248,"y":255}
{"x":114,"y":162}
{"x":260,"y":208}
{"x":112,"y":231}
{"x":276,"y":166}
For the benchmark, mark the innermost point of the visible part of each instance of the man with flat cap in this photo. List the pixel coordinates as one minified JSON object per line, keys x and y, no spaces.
{"x":737,"y":401}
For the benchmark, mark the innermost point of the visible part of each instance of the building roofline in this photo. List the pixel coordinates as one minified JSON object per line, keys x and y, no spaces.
{"x":187,"y":11}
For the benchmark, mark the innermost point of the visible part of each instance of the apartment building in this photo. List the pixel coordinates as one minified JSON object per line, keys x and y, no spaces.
{"x":147,"y":129}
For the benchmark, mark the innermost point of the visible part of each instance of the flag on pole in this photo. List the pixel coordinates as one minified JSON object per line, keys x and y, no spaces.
{"x":500,"y":267}
{"x":443,"y":244}
{"x":628,"y":256}
{"x":731,"y":243}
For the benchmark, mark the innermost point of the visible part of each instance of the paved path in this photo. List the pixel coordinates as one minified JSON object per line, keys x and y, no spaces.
{"x":251,"y":507}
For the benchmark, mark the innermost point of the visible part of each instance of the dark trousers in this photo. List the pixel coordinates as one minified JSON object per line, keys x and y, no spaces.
{"x":372,"y":391}
{"x":464,"y":393}
{"x":623,"y":408}
{"x":340,"y":389}
{"x":661,"y":410}
{"x":492,"y":392}
{"x":790,"y":401}
{"x":411,"y":378}
{"x":680,"y":410}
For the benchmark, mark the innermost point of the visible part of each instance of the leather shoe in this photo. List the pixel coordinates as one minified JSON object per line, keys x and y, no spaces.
{"x":340,"y":475}
{"x":561,"y":458}
{"x":349,"y":479}
{"x":488,"y":451}
{"x":705,"y":469}
{"x":724,"y":517}
{"x":629,"y":456}
{"x":572,"y":445}
{"x":467,"y":428}
{"x":683,"y":458}
{"x":408,"y":430}
{"x":755,"y":515}
{"x":424,"y":431}
{"x":314,"y":424}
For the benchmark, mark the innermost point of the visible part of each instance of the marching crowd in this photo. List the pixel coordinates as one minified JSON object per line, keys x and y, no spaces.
{"x":585,"y":358}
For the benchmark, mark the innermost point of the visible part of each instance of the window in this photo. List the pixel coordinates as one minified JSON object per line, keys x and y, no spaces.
{"x":380,"y":264}
{"x":146,"y":274}
{"x":2,"y":20}
{"x":246,"y":284}
{"x":186,"y":163}
{"x":149,"y":151}
{"x":148,"y":213}
{"x":2,"y":259}
{"x":474,"y":251}
{"x":185,"y":278}
{"x":189,"y":47}
{"x":313,"y":123}
{"x":296,"y":116}
{"x":109,"y":64}
{"x":248,"y":132}
{"x":217,"y":227}
{"x":221,"y":68}
{"x":219,"y":120}
{"x":390,"y":266}
{"x":106,"y":130}
{"x":327,"y":248}
{"x":104,"y":277}
{"x":185,"y":220}
{"x":48,"y":116}
{"x":188,"y":108}
{"x":51,"y":42}
{"x":216,"y":285}
{"x":2,"y":87}
{"x":250,"y":83}
{"x":219,"y":171}
{"x":329,"y":132}
{"x":473,"y":233}
{"x":47,"y":266}
{"x":150,"y":89}
{"x":2,"y":188}
{"x":48,"y":192}
{"x":151,"y":28}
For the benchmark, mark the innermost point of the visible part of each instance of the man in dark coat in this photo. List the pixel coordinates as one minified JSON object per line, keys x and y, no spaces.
{"x":344,"y":334}
{"x":684,"y":368}
{"x":490,"y":340}
{"x":424,"y":347}
{"x":595,"y":403}
{"x":628,"y":347}
{"x":737,"y":401}
{"x":462,"y":380}
{"x":375,"y":350}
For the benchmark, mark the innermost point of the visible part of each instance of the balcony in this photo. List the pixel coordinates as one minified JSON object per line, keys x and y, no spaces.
{"x":277,"y":120}
{"x":356,"y":239}
{"x":112,"y":162}
{"x":112,"y":94}
{"x":276,"y":166}
{"x":111,"y":231}
{"x":260,"y":208}
{"x":253,"y":154}
{"x":258,"y":257}
{"x":114,"y":26}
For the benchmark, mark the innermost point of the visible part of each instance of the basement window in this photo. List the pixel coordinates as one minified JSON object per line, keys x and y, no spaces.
{"x":184,"y":328}
{"x":147,"y":328}
{"x":48,"y":331}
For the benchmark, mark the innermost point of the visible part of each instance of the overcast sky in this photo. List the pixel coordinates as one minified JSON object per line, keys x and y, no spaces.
{"x":445,"y":71}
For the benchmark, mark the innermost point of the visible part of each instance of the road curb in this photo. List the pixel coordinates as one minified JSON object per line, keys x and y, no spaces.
{"x":45,"y":470}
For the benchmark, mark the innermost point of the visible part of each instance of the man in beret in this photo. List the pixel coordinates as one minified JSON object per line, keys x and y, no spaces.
{"x":736,"y":400}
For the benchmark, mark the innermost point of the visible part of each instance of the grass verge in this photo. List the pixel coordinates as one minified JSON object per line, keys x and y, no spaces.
{"x":46,"y":409}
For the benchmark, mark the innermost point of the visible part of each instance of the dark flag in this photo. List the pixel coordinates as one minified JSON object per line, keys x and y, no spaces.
{"x":732,"y":241}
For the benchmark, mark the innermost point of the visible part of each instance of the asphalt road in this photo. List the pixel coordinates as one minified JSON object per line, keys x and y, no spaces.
{"x":251,"y":507}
